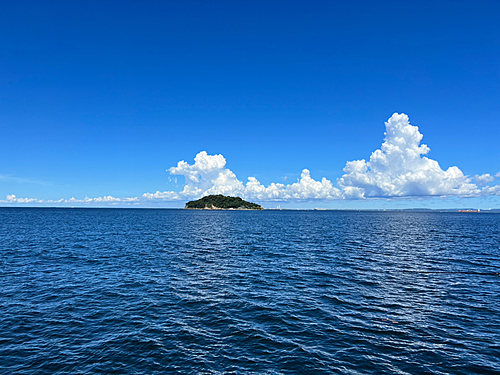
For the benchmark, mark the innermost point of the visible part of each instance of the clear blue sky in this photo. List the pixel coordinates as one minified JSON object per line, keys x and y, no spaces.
{"x":101,"y":98}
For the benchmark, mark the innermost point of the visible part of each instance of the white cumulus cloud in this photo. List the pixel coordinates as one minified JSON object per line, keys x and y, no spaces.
{"x":400,"y":168}
{"x":209,"y":175}
{"x":11,"y":198}
{"x":306,"y":188}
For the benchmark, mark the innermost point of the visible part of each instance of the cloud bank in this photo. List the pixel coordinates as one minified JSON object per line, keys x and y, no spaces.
{"x":12,"y":198}
{"x":399,"y":169}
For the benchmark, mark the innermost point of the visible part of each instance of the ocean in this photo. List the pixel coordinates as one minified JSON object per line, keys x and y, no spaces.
{"x":153,"y":291}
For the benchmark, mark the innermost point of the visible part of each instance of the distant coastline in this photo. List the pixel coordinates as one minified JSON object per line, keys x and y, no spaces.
{"x":421,"y":210}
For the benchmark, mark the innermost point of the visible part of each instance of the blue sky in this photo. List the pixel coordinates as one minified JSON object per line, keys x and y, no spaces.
{"x":100,"y":99}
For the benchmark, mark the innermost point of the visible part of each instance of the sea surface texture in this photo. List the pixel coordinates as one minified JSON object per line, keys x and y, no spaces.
{"x":136,"y":291}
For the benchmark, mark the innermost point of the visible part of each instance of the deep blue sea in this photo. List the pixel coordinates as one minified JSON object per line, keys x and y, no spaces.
{"x":138,"y":291}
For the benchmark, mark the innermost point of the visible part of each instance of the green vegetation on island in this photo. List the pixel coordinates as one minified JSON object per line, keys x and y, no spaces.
{"x":221,"y":202}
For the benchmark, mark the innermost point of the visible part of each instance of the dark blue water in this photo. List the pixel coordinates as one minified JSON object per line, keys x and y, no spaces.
{"x":279,"y":292}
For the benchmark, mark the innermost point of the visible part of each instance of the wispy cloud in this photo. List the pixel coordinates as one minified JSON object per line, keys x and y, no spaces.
{"x":22,"y":180}
{"x":483,"y":179}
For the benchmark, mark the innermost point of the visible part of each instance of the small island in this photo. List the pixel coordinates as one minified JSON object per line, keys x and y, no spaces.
{"x":221,"y":202}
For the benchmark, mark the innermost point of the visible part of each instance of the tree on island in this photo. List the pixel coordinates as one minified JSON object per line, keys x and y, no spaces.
{"x":215,"y":202}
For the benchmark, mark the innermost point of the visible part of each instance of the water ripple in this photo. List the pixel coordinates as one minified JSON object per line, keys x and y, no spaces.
{"x":273,"y":292}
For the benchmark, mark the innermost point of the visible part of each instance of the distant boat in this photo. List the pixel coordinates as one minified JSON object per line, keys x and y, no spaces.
{"x":478,"y":210}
